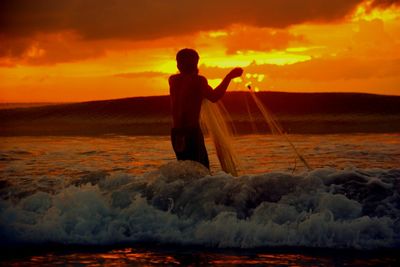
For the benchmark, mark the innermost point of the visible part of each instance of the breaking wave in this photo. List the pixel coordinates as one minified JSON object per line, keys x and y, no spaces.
{"x":180,"y":203}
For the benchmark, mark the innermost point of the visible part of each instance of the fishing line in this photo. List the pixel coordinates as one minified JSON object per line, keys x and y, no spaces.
{"x":274,"y":126}
{"x":249,"y":113}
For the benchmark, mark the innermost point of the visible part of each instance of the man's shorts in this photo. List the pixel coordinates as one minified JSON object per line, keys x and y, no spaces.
{"x":188,"y":144}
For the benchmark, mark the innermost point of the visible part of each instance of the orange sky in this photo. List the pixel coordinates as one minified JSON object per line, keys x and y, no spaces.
{"x":71,"y":50}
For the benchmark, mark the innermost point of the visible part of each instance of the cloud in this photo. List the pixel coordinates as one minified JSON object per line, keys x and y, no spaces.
{"x":68,"y":47}
{"x":48,"y":32}
{"x":144,"y":74}
{"x":335,"y":69}
{"x":242,"y":38}
{"x":48,"y":48}
{"x":320,"y":69}
{"x":379,"y":76}
{"x":384,"y":3}
{"x":148,"y":19}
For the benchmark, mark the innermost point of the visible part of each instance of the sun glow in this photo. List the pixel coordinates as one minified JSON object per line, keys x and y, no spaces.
{"x":216,"y":34}
{"x":244,"y":59}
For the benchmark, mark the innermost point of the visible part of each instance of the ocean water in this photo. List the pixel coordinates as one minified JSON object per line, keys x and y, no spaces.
{"x":116,"y":193}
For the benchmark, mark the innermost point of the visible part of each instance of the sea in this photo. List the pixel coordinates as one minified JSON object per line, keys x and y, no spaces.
{"x":119,"y":200}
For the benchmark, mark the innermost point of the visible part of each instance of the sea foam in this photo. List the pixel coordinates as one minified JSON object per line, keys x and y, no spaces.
{"x":181,"y":203}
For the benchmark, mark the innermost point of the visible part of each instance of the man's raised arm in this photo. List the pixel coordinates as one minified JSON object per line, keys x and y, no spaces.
{"x":219,"y":91}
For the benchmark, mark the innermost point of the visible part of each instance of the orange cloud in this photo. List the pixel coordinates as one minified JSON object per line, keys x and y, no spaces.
{"x":332,"y":69}
{"x":242,"y":38}
{"x":68,"y":47}
{"x":145,"y":74}
{"x":48,"y":48}
{"x":383,"y":3}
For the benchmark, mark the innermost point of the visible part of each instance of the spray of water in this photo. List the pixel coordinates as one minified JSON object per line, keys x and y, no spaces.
{"x":214,"y":123}
{"x":274,"y":125}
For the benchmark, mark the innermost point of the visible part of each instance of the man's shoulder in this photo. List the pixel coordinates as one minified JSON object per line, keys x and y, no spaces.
{"x":202,"y":79}
{"x":173,"y":77}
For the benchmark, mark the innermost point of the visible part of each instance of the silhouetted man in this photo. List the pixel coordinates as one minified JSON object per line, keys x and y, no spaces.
{"x":187,"y":90}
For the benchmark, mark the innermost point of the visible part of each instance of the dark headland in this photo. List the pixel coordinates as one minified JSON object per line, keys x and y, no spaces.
{"x":296,"y":112}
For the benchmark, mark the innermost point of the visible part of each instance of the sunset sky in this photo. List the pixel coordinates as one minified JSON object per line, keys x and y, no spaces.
{"x":78,"y":50}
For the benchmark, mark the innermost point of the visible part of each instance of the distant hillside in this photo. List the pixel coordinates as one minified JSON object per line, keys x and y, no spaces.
{"x":25,"y":105}
{"x":297,"y":112}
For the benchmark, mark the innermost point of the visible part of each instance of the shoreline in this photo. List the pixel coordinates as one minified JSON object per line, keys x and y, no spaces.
{"x":73,"y":127}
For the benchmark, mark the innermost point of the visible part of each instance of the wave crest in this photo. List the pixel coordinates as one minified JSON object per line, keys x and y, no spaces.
{"x":182,"y":203}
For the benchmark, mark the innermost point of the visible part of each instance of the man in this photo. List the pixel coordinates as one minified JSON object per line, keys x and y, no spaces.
{"x":187,"y":91}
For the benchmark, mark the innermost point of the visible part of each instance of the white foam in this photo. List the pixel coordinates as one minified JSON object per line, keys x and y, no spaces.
{"x":181,"y":203}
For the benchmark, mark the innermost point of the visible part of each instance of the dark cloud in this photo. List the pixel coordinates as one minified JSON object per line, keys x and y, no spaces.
{"x":13,"y":48}
{"x":24,"y":24}
{"x":147,"y":19}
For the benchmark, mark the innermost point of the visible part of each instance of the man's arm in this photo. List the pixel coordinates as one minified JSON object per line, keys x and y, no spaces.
{"x":219,"y":91}
{"x":171,"y":83}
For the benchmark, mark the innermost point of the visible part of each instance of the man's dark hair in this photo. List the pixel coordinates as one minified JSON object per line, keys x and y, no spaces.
{"x":187,"y":60}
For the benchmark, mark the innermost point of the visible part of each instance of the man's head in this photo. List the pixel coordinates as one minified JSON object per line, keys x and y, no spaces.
{"x":187,"y":60}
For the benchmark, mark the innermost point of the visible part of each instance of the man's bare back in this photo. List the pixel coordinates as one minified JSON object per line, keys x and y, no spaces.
{"x":187,"y":93}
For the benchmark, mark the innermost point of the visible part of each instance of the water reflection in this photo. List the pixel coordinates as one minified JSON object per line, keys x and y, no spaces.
{"x":36,"y":157}
{"x":179,"y":257}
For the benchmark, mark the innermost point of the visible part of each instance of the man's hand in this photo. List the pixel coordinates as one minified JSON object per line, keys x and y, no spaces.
{"x":236,"y":72}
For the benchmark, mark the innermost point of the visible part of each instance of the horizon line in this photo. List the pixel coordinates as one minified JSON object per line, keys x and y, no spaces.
{"x":228,"y":92}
